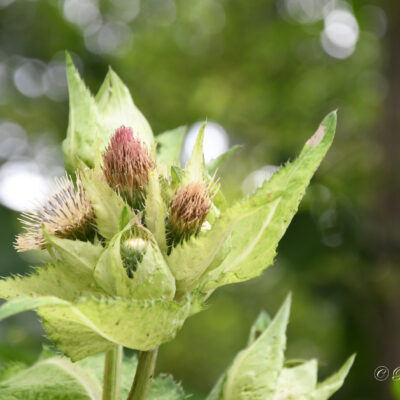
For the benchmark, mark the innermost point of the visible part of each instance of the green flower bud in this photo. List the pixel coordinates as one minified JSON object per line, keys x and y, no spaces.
{"x":132,"y":252}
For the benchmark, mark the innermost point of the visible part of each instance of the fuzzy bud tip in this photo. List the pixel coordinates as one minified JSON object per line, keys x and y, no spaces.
{"x":126,"y":166}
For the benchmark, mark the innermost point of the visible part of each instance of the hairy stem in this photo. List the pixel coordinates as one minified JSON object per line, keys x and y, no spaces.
{"x":112,"y":374}
{"x":144,"y":375}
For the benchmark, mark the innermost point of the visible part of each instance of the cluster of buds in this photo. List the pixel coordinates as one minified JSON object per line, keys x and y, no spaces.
{"x":67,"y":214}
{"x":127,"y":163}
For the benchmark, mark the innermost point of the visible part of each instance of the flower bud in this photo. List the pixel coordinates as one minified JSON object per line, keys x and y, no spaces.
{"x":127,"y":164}
{"x":188,"y":210}
{"x":67,"y":214}
{"x":132,"y":252}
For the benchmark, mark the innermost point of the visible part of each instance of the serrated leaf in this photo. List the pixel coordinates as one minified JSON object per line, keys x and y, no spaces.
{"x":94,"y":325}
{"x":54,"y":379}
{"x":218,"y":162}
{"x":331,"y":385}
{"x":116,"y":108}
{"x":169,"y":146}
{"x":255,"y":238}
{"x":195,"y":169}
{"x":82,"y":145}
{"x":107,"y":204}
{"x":156,"y":211}
{"x":164,"y":388}
{"x":50,"y":280}
{"x":255,"y":371}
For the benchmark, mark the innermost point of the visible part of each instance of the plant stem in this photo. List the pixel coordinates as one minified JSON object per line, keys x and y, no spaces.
{"x":144,"y":375}
{"x":112,"y":374}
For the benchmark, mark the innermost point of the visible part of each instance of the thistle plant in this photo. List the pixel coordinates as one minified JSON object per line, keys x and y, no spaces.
{"x":133,"y":244}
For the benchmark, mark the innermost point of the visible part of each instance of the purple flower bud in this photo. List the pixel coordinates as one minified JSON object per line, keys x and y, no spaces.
{"x":127,"y":163}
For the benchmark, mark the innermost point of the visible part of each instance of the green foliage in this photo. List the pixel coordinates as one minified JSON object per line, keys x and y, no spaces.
{"x":57,"y":378}
{"x":156,"y":211}
{"x":93,"y":325}
{"x":259,"y":371}
{"x":107,"y":204}
{"x":93,"y":121}
{"x":195,"y":169}
{"x":90,"y":300}
{"x":255,"y":224}
{"x":116,"y":107}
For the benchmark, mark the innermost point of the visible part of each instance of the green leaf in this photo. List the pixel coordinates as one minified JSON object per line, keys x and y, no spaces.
{"x":255,"y":371}
{"x":255,"y":238}
{"x":107,"y":204}
{"x":169,"y":145}
{"x":55,"y":378}
{"x":152,"y":278}
{"x":26,"y":303}
{"x":331,"y":385}
{"x":94,"y":325}
{"x":110,"y":273}
{"x":50,"y":280}
{"x":83,"y":142}
{"x":156,"y":211}
{"x":125,"y":217}
{"x":195,"y":169}
{"x":78,"y":258}
{"x":117,"y":108}
{"x":189,"y":260}
{"x":295,"y":382}
{"x":218,"y":162}
{"x":164,"y":388}
{"x":217,"y":391}
{"x":192,"y":261}
{"x":261,"y":324}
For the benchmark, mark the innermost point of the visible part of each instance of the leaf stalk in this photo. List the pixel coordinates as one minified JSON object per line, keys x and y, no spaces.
{"x":112,"y":374}
{"x":144,"y":375}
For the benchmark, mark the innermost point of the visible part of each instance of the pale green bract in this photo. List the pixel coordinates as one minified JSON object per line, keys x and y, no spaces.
{"x":57,"y":378}
{"x":259,"y":373}
{"x":92,"y":121}
{"x":86,"y":299}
